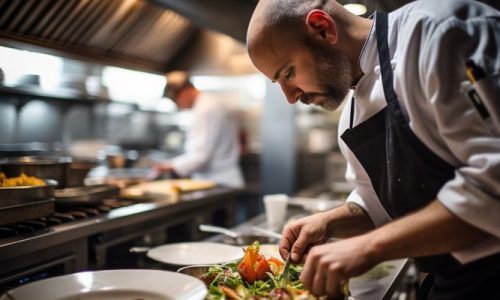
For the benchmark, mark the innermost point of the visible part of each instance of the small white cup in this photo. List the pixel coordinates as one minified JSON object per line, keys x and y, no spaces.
{"x":275,"y":206}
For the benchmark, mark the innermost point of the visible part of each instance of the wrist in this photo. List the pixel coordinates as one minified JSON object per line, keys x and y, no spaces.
{"x":376,"y":247}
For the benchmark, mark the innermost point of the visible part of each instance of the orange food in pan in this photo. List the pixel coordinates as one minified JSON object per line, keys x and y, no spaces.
{"x":22,"y":180}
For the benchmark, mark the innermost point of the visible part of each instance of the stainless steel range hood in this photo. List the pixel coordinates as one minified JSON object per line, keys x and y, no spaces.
{"x":138,"y":34}
{"x":129,"y":33}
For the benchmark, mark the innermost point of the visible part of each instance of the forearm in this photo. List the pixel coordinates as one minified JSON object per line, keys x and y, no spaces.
{"x":430,"y":231}
{"x":348,"y":220}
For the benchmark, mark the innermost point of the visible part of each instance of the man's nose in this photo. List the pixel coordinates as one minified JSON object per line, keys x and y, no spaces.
{"x":292,"y":93}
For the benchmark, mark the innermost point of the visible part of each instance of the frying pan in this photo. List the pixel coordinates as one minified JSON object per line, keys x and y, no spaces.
{"x":86,"y":195}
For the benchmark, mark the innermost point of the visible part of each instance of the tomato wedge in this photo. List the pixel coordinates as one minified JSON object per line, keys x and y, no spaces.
{"x":253,"y":266}
{"x":276,"y":265}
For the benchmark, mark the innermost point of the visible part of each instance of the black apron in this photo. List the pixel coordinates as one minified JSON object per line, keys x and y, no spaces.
{"x":407,"y":176}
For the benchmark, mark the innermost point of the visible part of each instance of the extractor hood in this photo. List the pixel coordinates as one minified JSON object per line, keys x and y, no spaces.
{"x":129,"y":33}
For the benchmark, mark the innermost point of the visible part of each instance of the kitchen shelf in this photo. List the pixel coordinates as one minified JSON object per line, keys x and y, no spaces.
{"x":29,"y":93}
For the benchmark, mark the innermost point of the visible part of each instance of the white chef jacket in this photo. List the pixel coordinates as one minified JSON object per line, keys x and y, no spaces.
{"x":212,"y":144}
{"x":429,"y":42}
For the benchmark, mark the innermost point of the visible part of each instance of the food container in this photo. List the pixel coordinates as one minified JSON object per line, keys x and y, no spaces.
{"x":21,"y":195}
{"x":49,"y":167}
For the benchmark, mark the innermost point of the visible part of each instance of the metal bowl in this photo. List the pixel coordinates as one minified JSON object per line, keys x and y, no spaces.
{"x":50,"y":167}
{"x":248,"y":239}
{"x":198,"y":271}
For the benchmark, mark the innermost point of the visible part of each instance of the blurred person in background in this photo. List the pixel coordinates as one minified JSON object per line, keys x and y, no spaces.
{"x":212,"y":143}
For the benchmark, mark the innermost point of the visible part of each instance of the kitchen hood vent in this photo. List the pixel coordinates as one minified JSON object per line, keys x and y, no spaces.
{"x":128,"y":33}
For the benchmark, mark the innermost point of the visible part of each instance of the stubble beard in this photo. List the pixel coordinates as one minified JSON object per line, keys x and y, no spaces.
{"x":334,"y":75}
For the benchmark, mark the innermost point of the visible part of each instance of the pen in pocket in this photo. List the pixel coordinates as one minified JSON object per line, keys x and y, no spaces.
{"x":474,"y":74}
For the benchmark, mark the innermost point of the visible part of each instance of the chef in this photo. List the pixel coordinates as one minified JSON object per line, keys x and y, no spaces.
{"x":212,"y":144}
{"x":424,"y":160}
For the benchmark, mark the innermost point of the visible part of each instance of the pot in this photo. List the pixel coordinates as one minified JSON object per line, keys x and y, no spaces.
{"x":78,"y":171}
{"x":50,"y":167}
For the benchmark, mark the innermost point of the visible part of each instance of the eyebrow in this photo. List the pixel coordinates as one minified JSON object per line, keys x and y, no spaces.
{"x":277,"y":74}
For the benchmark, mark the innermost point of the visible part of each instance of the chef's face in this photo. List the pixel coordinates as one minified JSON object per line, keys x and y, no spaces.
{"x":184,"y":99}
{"x":307,"y":70}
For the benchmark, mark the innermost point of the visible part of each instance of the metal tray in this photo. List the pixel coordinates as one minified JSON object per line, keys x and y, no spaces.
{"x":91,"y":194}
{"x":24,"y":212}
{"x":21,"y":195}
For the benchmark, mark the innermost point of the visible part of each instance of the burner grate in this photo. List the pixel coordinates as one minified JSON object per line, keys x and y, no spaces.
{"x":61,"y":216}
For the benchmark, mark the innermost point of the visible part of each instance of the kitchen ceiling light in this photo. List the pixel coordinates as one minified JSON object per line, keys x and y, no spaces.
{"x":356,"y":8}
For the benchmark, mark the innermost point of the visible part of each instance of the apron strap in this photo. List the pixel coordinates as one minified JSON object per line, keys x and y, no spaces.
{"x":381,"y":30}
{"x":351,"y":121}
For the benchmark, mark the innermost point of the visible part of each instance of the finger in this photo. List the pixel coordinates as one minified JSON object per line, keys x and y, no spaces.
{"x":336,"y":278}
{"x":310,"y":267}
{"x":286,"y":242}
{"x":300,"y":246}
{"x":333,"y":282}
{"x":318,"y":285}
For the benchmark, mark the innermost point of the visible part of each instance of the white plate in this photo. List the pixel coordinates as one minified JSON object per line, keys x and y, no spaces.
{"x":113,"y":285}
{"x":270,"y":250}
{"x":195,"y":253}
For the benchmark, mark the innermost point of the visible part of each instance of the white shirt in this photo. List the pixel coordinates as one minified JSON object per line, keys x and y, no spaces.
{"x":212,"y":147}
{"x":429,"y":42}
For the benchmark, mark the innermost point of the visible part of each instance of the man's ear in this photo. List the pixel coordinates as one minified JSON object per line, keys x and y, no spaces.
{"x":321,"y":24}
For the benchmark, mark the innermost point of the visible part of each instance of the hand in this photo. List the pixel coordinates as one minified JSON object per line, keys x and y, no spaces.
{"x":303,"y":234}
{"x":158,"y":169}
{"x":329,"y":266}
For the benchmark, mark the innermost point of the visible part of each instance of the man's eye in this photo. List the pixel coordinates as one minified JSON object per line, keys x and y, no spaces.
{"x":289,"y":74}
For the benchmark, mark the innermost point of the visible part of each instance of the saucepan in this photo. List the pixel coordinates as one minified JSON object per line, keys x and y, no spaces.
{"x":242,"y":238}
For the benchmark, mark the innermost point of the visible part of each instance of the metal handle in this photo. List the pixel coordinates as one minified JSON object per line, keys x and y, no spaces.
{"x":267,"y":232}
{"x":139,"y":249}
{"x":217,"y":229}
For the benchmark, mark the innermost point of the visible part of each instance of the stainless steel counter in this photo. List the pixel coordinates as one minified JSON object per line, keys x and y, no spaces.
{"x":69,"y":247}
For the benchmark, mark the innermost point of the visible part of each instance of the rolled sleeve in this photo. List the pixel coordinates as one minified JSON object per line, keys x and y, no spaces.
{"x":376,"y":212}
{"x":473,"y":194}
{"x":477,"y":208}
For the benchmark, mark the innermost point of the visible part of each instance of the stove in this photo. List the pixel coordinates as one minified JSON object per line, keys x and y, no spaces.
{"x":63,"y":258}
{"x":96,"y":237}
{"x":62,"y":215}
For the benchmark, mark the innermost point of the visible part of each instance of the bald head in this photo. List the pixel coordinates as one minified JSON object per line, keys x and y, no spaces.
{"x":286,"y":16}
{"x":310,"y":47}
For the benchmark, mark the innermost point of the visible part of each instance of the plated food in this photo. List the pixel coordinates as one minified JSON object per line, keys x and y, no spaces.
{"x":22,"y":180}
{"x":255,"y":277}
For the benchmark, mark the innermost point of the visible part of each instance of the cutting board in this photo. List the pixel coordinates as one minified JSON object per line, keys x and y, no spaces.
{"x":171,"y":186}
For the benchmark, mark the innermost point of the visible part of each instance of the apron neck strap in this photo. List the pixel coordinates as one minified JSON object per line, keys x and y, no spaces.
{"x":381,"y":31}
